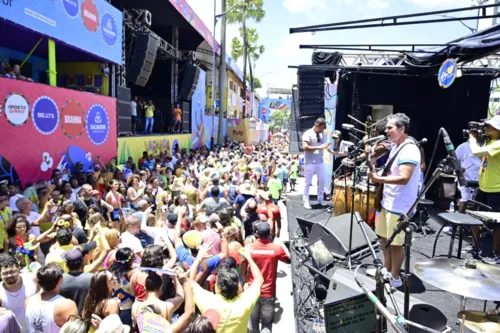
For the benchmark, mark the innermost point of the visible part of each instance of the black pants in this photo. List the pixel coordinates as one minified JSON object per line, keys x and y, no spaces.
{"x":489,"y":199}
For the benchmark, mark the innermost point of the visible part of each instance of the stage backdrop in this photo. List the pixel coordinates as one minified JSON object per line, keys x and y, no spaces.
{"x":44,"y":128}
{"x":135,"y":146}
{"x":93,"y":26}
{"x":330,"y":113}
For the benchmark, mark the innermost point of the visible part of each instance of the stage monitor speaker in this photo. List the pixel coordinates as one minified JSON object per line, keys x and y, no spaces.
{"x":124,"y":111}
{"x":335,"y":234}
{"x":143,"y":58}
{"x":186,"y":117}
{"x":190,"y":77}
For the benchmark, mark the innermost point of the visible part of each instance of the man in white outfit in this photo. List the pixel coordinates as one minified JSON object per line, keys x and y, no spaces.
{"x":313,"y":143}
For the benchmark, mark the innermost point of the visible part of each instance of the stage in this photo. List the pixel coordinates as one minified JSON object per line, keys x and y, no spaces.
{"x":448,"y":303}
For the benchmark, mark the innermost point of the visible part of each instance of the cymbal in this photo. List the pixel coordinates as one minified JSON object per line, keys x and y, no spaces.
{"x":466,"y":278}
{"x":480,"y":322}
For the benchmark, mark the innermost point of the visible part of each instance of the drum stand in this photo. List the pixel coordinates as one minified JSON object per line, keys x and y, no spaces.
{"x":404,"y":224}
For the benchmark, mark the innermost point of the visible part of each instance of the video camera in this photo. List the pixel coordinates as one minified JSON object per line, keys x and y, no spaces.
{"x":476,"y":128}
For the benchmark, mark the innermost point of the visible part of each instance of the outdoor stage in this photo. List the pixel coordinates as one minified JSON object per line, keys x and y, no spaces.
{"x":448,"y":303}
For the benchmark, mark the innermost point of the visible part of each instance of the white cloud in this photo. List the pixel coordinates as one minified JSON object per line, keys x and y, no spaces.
{"x":289,"y":46}
{"x":443,"y":3}
{"x":302,"y":6}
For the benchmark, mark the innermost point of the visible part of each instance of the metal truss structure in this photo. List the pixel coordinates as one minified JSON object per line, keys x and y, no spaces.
{"x":398,"y":20}
{"x":134,"y":20}
{"x":387,"y":59}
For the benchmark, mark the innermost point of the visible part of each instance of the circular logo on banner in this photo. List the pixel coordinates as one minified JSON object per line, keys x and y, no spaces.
{"x":72,"y":121}
{"x":45,"y":115}
{"x":17,"y":109}
{"x":89,"y":15}
{"x":97,"y":124}
{"x":447,"y":73}
{"x":71,"y":7}
{"x":108,"y":29}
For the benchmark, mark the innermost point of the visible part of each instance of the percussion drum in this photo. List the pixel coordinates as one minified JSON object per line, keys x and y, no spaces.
{"x":364,"y":207}
{"x":341,"y":203}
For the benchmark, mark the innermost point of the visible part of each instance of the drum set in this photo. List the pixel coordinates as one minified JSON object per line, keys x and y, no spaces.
{"x":469,"y":279}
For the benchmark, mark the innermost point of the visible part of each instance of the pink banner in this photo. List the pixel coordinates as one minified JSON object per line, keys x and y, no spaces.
{"x":44,"y":128}
{"x":188,"y":13}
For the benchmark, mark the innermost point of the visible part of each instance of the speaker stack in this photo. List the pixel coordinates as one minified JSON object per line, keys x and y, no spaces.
{"x":143,"y":58}
{"x":124,"y":111}
{"x":311,"y":97}
{"x":189,"y":78}
{"x":186,"y":117}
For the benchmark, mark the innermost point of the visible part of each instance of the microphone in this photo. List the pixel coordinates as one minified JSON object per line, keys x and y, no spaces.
{"x":453,"y":157}
{"x":348,"y":127}
{"x":422,"y":142}
{"x":374,"y":139}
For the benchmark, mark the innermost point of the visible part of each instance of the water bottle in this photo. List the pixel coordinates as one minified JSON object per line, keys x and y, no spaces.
{"x":452,"y":207}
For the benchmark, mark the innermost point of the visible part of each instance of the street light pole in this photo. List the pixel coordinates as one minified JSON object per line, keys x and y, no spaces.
{"x":222,"y":76}
{"x":214,"y":73}
{"x":214,"y":68}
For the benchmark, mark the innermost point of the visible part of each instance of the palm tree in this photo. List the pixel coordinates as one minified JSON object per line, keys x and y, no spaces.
{"x":254,"y":52}
{"x":249,"y":9}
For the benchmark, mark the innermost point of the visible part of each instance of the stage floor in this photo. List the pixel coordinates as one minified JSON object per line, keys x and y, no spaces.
{"x":448,"y":303}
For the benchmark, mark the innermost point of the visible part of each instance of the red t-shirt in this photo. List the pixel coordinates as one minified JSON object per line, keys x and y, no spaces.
{"x":266,"y":256}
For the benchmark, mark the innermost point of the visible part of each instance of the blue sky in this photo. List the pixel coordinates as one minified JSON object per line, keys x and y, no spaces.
{"x":282,"y":48}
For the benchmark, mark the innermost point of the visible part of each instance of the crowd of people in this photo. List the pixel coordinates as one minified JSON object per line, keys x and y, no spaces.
{"x":188,"y":242}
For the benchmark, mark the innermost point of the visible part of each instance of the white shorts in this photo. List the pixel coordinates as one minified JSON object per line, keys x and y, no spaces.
{"x":467,"y":193}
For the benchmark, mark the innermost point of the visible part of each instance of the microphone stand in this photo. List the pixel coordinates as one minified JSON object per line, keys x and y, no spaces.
{"x":404,"y":224}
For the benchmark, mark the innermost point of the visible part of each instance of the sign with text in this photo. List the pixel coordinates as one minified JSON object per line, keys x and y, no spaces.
{"x":352,"y":315}
{"x":92,"y":26}
{"x":44,"y":128}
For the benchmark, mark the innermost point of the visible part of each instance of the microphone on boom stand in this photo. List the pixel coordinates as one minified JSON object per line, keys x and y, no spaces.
{"x":453,"y":157}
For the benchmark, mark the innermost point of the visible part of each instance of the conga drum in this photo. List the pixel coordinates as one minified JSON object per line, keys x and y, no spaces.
{"x":342,"y":193}
{"x":365,"y":204}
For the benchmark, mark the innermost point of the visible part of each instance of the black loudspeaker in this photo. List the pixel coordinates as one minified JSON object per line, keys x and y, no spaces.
{"x":311,"y":97}
{"x":124,"y":111}
{"x":186,"y":117}
{"x":335,"y":235}
{"x":189,"y":82}
{"x":143,"y":58}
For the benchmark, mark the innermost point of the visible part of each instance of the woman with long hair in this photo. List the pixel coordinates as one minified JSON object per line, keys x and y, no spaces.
{"x":19,"y":237}
{"x":99,"y":300}
{"x":115,"y":199}
{"x":123,"y":272}
{"x":134,"y":193}
{"x":67,"y":192}
{"x":191,"y":191}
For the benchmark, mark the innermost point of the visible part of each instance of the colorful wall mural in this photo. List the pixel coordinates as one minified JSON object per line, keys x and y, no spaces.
{"x":44,"y":128}
{"x":135,"y":146}
{"x":202,"y":128}
{"x":269,"y":105}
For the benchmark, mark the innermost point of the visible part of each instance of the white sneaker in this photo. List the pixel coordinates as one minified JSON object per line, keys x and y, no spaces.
{"x":307,"y":205}
{"x":396,"y":283}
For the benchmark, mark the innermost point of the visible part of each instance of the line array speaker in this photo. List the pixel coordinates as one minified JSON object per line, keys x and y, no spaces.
{"x":143,"y":59}
{"x":124,"y":110}
{"x":190,"y":77}
{"x":311,"y":97}
{"x":186,"y":117}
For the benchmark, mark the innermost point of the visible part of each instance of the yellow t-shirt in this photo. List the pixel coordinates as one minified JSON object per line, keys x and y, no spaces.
{"x":150,"y":111}
{"x":5,"y":215}
{"x":489,"y":173}
{"x":236,"y":311}
{"x":56,"y":256}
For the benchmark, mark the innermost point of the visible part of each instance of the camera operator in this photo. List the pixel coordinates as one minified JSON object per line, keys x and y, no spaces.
{"x":489,"y":176}
{"x":470,"y":164}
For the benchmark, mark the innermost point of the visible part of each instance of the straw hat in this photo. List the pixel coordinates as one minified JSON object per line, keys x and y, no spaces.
{"x":247,"y":189}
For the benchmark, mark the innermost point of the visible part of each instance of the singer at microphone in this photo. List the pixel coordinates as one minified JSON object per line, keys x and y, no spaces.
{"x":399,"y":183}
